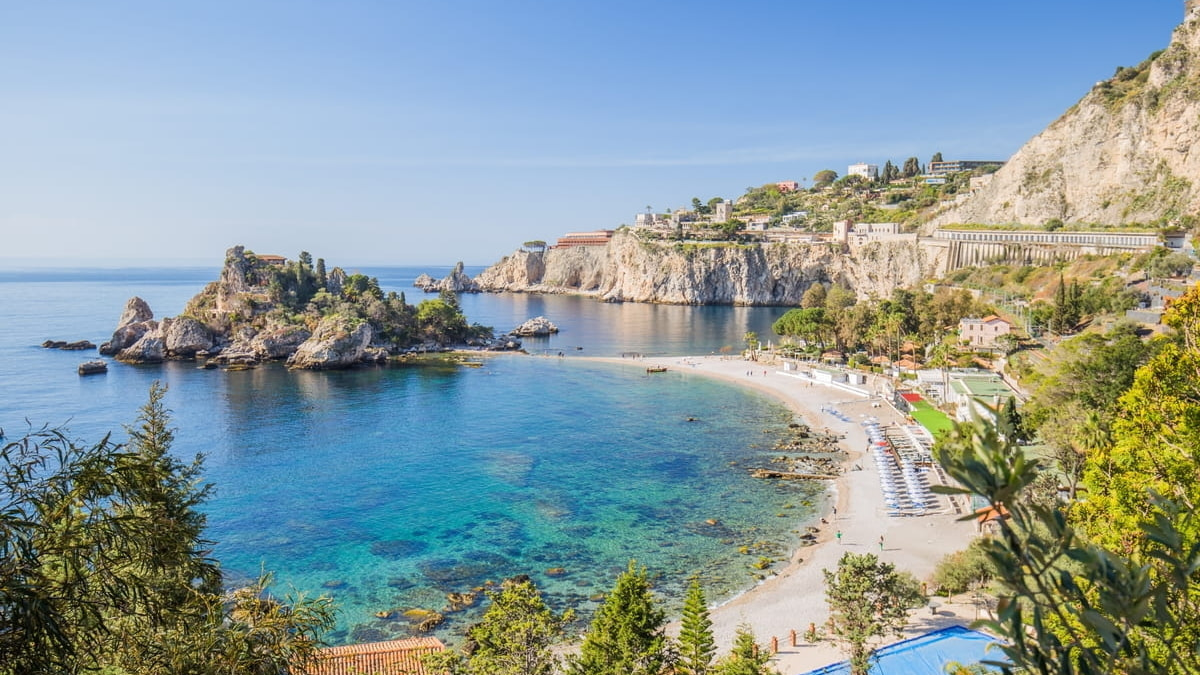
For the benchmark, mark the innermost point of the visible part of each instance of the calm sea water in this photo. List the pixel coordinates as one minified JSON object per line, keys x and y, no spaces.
{"x":390,"y":487}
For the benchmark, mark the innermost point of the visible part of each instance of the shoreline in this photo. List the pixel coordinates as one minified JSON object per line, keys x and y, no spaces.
{"x":794,"y":598}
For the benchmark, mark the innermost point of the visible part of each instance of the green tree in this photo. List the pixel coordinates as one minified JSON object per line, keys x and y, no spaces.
{"x":626,"y":635}
{"x":104,"y":566}
{"x":516,"y":636}
{"x":809,"y":325}
{"x":964,"y":570}
{"x":1009,"y":421}
{"x":814,"y":296}
{"x":1067,"y":605}
{"x":441,"y":322}
{"x":937,"y":157}
{"x":322,"y":277}
{"x":696,"y":645}
{"x":824,"y":177}
{"x":912,"y":167}
{"x":745,"y":658}
{"x":868,"y":599}
{"x":751,"y":340}
{"x":1155,"y":441}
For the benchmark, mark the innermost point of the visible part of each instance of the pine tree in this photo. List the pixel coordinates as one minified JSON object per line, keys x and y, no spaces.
{"x":516,"y":633}
{"x":912,"y":167}
{"x":626,"y":636}
{"x":745,"y":658}
{"x":696,"y":645}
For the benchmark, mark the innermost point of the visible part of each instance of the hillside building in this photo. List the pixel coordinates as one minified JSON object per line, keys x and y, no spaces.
{"x":983,"y":332}
{"x":596,"y":238}
{"x":957,"y":165}
{"x":722,"y":211}
{"x":867,"y":171}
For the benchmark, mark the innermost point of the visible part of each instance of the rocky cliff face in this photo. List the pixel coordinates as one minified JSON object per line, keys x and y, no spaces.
{"x":1122,"y":155}
{"x":630,"y":270}
{"x":336,"y":343}
{"x":136,"y":320}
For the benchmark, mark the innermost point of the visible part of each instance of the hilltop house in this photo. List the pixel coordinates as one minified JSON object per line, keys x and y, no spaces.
{"x":983,"y":332}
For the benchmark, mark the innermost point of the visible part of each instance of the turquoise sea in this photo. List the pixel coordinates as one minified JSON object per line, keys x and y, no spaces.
{"x":389,"y":487}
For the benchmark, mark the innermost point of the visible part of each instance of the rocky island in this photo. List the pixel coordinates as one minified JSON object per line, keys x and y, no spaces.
{"x":267,"y":308}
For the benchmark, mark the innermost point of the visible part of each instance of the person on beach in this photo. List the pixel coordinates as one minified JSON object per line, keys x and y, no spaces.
{"x":839,"y":537}
{"x":881,"y":543}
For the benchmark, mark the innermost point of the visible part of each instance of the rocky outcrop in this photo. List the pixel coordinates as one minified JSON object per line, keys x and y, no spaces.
{"x":538,"y":326}
{"x":77,"y":346}
{"x":280,"y":342}
{"x":149,"y":348}
{"x":631,"y":270}
{"x":135,"y":321}
{"x":338,"y":342}
{"x":1122,"y":155}
{"x":184,"y":336}
{"x":455,"y":282}
{"x":93,"y":367}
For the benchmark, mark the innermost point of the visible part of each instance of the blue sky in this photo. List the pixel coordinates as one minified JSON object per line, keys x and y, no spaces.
{"x":430,"y":132}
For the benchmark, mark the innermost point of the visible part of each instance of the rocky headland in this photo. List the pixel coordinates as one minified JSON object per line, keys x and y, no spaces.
{"x":629,"y":269}
{"x":267,"y":309}
{"x":1122,"y":155}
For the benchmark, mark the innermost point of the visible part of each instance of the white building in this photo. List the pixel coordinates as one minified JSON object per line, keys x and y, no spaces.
{"x":983,"y":332}
{"x":722,"y":211}
{"x":867,"y":171}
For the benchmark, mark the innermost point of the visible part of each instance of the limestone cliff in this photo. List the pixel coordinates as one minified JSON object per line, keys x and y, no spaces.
{"x":631,"y":270}
{"x":1122,"y":155}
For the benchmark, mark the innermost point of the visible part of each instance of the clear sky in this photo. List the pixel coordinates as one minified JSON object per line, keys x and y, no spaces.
{"x":431,"y":132}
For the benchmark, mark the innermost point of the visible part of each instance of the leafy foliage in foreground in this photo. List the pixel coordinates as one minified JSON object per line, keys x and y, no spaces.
{"x":1068,"y":606}
{"x":104,"y":566}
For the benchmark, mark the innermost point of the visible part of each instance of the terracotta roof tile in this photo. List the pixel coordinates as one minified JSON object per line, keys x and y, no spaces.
{"x":393,"y":657}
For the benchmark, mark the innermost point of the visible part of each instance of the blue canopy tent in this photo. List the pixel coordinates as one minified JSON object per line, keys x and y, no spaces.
{"x":927,"y":654}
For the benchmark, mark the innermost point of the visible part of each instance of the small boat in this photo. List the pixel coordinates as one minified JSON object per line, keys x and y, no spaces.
{"x":656,"y":369}
{"x":93,"y":367}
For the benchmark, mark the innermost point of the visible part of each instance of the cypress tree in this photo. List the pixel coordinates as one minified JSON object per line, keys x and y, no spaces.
{"x":626,"y":636}
{"x":696,"y":645}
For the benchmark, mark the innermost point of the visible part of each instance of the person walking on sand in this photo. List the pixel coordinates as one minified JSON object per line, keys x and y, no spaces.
{"x":839,"y":537}
{"x":881,"y":543}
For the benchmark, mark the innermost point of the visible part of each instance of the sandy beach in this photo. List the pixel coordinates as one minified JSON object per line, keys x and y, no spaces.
{"x":795,"y":598}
